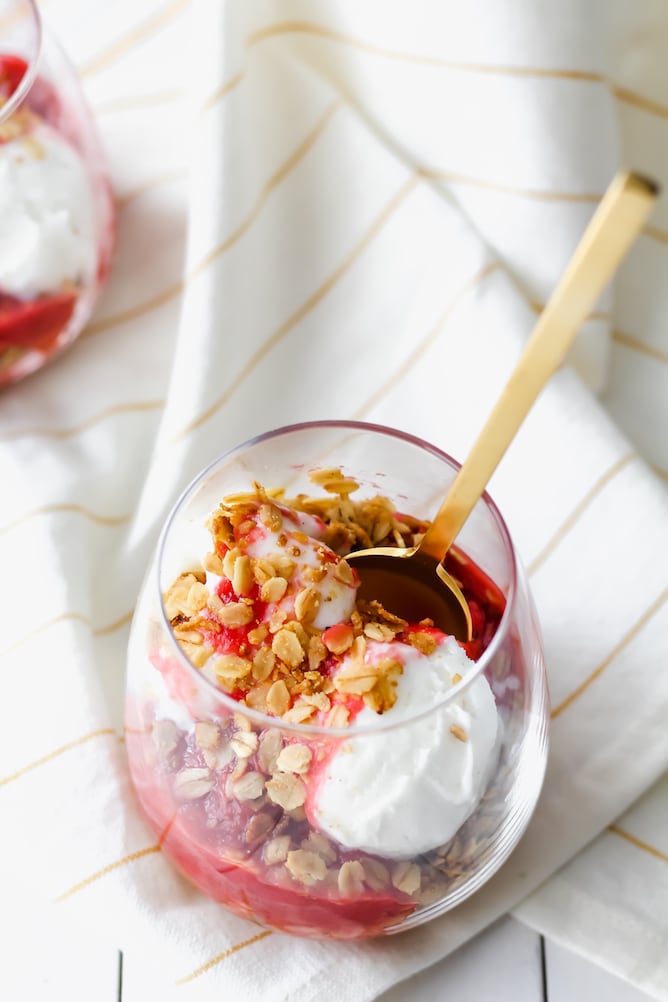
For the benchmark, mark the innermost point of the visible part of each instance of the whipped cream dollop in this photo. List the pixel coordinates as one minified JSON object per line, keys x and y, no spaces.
{"x":407,"y":790}
{"x":47,"y":217}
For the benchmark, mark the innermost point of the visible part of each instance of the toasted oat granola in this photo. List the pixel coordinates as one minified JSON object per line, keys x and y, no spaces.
{"x":269,"y":653}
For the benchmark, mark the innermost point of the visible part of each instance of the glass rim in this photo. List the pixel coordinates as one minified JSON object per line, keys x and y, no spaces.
{"x":303,"y":729}
{"x":28,"y":79}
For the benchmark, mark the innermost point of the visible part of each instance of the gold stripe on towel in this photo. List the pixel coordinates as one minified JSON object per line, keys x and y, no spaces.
{"x":77,"y":509}
{"x":223,"y":90}
{"x":568,"y":524}
{"x":140,"y":34}
{"x":632,"y":633}
{"x":636,"y":345}
{"x":173,"y":291}
{"x":536,"y":194}
{"x":645,"y":846}
{"x":329,"y":34}
{"x":102,"y":732}
{"x":638,"y":101}
{"x":90,"y":422}
{"x":408,"y":363}
{"x":107,"y":869}
{"x":306,"y":307}
{"x":223,"y":956}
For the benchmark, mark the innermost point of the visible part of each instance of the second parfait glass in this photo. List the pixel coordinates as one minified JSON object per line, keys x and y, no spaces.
{"x":56,"y":205}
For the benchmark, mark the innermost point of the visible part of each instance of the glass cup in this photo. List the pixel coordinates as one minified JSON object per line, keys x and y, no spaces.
{"x":56,"y":205}
{"x":210,"y":772}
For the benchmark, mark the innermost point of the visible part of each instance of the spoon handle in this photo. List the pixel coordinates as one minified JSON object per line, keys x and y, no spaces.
{"x":609,"y":235}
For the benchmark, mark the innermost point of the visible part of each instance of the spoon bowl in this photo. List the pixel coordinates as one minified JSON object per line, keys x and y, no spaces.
{"x":412,"y":583}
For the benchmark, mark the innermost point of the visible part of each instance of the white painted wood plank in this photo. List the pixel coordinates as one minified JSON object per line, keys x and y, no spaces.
{"x":571,"y":978}
{"x":501,"y":964}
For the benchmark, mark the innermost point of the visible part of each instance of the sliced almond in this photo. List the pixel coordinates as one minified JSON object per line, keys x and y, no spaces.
{"x":236,"y":614}
{"x":249,"y":787}
{"x":306,"y":867}
{"x":278,"y":698}
{"x":351,"y":878}
{"x":263,"y":664}
{"x":295,"y":758}
{"x":242,"y":576}
{"x":231,"y":667}
{"x":207,"y":735}
{"x":406,"y":877}
{"x":191,"y":784}
{"x":286,"y":646}
{"x":273,"y":589}
{"x":287,"y":791}
{"x":244,"y":743}
{"x":307,"y":604}
{"x":271,"y":743}
{"x":276,"y":851}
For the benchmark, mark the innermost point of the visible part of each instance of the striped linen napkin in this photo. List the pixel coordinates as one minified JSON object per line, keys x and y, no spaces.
{"x":337,"y":189}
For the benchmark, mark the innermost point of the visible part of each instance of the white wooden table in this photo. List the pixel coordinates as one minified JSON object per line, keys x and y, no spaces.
{"x":506,"y":963}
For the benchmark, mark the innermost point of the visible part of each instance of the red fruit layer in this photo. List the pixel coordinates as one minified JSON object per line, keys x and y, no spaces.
{"x":12,"y":71}
{"x":35,"y":324}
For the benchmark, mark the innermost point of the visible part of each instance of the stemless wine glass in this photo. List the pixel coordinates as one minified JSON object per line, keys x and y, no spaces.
{"x":56,"y":206}
{"x":201,"y":761}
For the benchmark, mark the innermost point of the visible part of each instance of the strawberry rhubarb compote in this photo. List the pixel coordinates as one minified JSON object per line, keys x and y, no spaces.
{"x":324,"y":792}
{"x":56,"y":223}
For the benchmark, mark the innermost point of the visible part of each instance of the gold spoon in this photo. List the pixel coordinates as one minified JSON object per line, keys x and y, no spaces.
{"x":411,"y":581}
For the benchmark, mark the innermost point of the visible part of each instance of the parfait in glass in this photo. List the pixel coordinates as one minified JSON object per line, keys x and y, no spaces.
{"x":56,"y":205}
{"x":309,"y":759}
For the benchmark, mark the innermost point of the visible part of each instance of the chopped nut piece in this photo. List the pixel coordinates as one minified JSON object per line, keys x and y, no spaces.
{"x":263,"y":664}
{"x":236,"y":614}
{"x":213,"y":563}
{"x":456,"y":678}
{"x":242,"y":577}
{"x":317,"y":652}
{"x":351,"y":878}
{"x":273,"y":589}
{"x":344,"y":573}
{"x":307,"y":604}
{"x":300,"y":713}
{"x":379,"y":631}
{"x":307,"y":867}
{"x":315,"y":842}
{"x":259,"y":826}
{"x":191,"y":784}
{"x":271,"y":517}
{"x":286,"y":790}
{"x":165,"y":736}
{"x":257,"y":635}
{"x":458,"y":732}
{"x":276,"y":851}
{"x":197,"y":654}
{"x":198,"y":595}
{"x":271,"y":743}
{"x":244,"y":743}
{"x":278,"y":698}
{"x":406,"y":877}
{"x":207,"y":735}
{"x":337,"y":716}
{"x":423,"y":642}
{"x":230,"y":667}
{"x":249,"y":787}
{"x":229,"y":560}
{"x":376,"y":875}
{"x":286,"y":646}
{"x":294,"y":758}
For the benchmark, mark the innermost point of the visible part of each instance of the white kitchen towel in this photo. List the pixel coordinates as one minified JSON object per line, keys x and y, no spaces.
{"x":335,"y":210}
